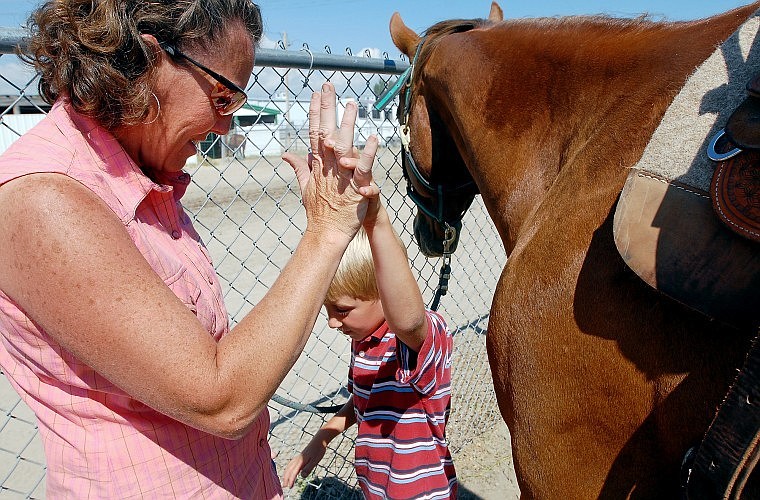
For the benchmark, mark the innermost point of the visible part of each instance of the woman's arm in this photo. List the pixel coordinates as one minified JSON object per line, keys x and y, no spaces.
{"x":69,"y":263}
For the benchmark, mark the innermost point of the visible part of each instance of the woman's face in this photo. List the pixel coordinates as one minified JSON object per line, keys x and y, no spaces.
{"x":187,"y":115}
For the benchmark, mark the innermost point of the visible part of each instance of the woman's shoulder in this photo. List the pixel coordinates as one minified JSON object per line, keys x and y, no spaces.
{"x":43,"y":193}
{"x":47,"y":147}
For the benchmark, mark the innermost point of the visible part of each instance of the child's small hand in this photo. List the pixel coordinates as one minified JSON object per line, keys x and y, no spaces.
{"x":361,"y":164}
{"x":373,"y":208}
{"x":304,"y":462}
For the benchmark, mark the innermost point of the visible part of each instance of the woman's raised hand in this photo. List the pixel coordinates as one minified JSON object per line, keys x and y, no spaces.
{"x":335,"y":180}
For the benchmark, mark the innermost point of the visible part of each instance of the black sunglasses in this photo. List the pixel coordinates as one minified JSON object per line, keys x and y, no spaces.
{"x":226,"y":96}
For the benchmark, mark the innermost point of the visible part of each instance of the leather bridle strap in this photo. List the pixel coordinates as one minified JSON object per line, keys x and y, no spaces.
{"x":438,"y":192}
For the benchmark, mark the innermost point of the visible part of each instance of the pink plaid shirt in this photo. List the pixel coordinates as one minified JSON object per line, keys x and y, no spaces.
{"x":99,"y":442}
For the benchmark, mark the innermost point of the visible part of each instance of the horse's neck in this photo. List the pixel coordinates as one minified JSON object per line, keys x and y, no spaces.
{"x":572,"y":99}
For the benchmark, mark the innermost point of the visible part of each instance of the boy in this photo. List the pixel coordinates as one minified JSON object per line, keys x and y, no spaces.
{"x":399,"y":377}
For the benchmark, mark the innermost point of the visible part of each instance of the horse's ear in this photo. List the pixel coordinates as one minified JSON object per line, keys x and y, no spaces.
{"x":403,"y":37}
{"x":496,"y":15}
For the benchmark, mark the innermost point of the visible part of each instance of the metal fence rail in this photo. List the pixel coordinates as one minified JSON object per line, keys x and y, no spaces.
{"x":245,"y":204}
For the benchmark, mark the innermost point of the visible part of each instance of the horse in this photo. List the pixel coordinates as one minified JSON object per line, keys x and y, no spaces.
{"x":604,"y":382}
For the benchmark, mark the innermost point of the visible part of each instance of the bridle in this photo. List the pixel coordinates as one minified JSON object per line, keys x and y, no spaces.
{"x":433,"y":204}
{"x":431,"y":198}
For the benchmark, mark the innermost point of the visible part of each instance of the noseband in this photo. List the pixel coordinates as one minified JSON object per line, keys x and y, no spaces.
{"x":431,"y":199}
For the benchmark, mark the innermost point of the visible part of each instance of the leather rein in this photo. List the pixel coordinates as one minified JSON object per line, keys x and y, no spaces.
{"x":431,"y":199}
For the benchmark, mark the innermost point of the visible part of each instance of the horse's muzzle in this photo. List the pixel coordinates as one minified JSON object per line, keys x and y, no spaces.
{"x":430,"y":236}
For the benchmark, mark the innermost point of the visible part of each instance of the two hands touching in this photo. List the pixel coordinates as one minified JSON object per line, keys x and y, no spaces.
{"x":335,"y":180}
{"x":338,"y":195}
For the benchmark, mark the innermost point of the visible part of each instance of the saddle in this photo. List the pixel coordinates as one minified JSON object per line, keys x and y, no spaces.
{"x":688,"y":223}
{"x":735,"y":188}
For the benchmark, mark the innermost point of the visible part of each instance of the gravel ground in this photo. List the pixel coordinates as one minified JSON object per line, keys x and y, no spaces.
{"x":485,"y":469}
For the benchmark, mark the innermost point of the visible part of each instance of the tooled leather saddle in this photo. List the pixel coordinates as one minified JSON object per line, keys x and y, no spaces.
{"x":735,"y":187}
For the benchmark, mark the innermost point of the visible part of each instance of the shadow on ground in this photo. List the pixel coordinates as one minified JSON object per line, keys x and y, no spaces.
{"x":335,"y":489}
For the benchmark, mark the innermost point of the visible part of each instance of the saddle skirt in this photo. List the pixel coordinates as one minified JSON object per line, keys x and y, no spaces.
{"x":665,"y":227}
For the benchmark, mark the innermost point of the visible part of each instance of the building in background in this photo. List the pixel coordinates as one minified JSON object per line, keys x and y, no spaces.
{"x":19,"y":114}
{"x":253,"y":132}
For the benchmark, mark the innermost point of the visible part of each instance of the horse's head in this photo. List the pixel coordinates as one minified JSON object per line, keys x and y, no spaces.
{"x":437,"y":177}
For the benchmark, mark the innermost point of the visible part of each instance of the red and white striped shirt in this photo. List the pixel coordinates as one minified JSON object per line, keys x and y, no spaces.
{"x":99,"y":442}
{"x":402,"y":401}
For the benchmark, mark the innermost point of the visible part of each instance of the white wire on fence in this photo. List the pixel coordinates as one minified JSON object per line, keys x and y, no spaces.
{"x":245,"y":204}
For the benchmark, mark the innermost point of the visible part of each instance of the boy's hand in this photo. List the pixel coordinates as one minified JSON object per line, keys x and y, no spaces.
{"x":373,"y":208}
{"x":304,"y":462}
{"x":361,"y":164}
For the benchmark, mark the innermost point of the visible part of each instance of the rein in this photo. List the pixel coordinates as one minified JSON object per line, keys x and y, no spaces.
{"x":434,"y":203}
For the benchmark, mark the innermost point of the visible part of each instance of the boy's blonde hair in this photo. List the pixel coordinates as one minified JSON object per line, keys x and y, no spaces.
{"x":355,"y":276}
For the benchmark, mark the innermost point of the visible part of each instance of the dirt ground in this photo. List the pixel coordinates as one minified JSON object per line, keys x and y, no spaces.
{"x":484,"y":467}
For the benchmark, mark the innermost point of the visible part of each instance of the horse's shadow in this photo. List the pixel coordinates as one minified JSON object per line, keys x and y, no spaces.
{"x":655,"y":353}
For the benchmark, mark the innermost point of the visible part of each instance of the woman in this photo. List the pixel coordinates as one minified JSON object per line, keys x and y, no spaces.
{"x":113,"y":326}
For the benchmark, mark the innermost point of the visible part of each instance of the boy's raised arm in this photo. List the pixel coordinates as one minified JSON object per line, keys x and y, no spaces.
{"x":400,"y":295}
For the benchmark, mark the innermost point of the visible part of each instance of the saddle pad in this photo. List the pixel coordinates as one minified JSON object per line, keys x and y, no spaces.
{"x":664,"y":225}
{"x":736,"y":194}
{"x":676,"y":151}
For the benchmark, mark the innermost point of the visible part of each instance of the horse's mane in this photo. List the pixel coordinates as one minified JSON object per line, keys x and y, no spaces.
{"x":597,"y":24}
{"x":590,"y":30}
{"x":592,"y":26}
{"x":436,"y":32}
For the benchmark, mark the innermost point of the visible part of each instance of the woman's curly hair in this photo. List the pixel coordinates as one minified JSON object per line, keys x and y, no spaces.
{"x":91,"y":50}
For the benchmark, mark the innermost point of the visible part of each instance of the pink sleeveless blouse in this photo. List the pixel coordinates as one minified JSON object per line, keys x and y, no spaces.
{"x":99,"y":442}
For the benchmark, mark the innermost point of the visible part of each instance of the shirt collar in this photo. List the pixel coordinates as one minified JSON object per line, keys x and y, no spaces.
{"x":112,"y":158}
{"x":376,"y":336}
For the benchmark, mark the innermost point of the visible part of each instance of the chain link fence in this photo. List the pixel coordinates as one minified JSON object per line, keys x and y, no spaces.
{"x":246,"y":205}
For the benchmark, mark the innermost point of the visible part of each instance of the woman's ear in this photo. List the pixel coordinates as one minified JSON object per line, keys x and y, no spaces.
{"x":152,"y":44}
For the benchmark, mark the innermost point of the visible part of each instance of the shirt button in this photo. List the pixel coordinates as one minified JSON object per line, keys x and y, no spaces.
{"x":361,"y":353}
{"x":262,"y":442}
{"x":175,"y":234}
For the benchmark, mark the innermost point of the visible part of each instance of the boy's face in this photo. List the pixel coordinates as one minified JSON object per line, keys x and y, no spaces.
{"x":355,"y":317}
